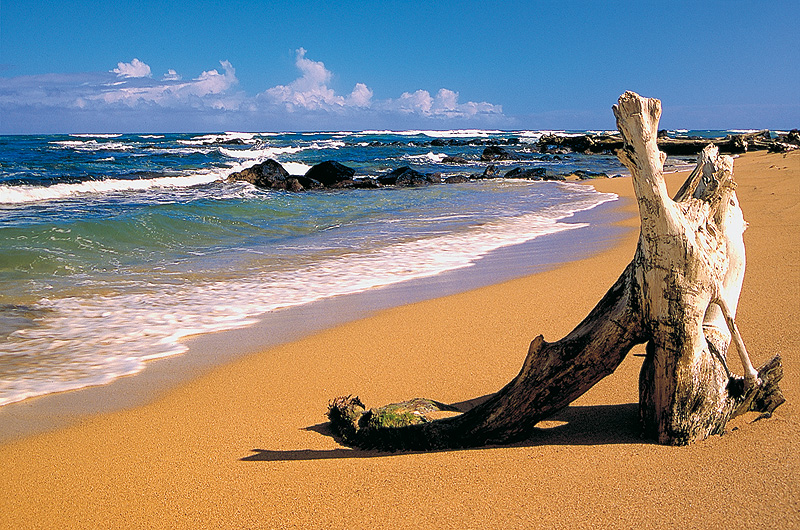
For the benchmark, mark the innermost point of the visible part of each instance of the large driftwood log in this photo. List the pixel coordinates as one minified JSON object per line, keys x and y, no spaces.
{"x":679,"y":295}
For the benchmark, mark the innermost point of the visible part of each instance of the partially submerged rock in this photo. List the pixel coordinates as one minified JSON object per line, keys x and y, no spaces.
{"x":455,"y":160}
{"x":691,"y":145}
{"x":585,"y":175}
{"x":331,"y":174}
{"x":269,"y":174}
{"x":533,"y":173}
{"x":494,"y":152}
{"x":407,"y":177}
{"x":456,"y":179}
{"x":491,"y":172}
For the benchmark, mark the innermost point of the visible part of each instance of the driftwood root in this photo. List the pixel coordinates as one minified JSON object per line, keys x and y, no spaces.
{"x":679,"y":295}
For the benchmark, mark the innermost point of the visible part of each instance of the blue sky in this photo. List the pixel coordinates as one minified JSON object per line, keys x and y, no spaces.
{"x":79,"y":66}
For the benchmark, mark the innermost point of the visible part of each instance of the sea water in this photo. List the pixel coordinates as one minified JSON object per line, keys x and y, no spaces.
{"x":114,"y":247}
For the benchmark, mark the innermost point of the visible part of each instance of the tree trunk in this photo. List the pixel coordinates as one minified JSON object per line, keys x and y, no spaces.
{"x":679,"y":294}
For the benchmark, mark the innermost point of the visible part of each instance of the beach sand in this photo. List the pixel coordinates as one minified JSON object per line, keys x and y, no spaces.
{"x":245,"y":445}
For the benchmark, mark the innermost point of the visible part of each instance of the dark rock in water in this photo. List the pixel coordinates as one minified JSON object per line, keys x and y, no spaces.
{"x":491,"y":172}
{"x":585,"y":175}
{"x":519,"y":173}
{"x":494,"y":152}
{"x":343,"y":184}
{"x":330,"y":173}
{"x":407,"y":177}
{"x":681,"y":146}
{"x":292,"y":184}
{"x":454,"y":160}
{"x":534,"y":173}
{"x":456,"y":179}
{"x":584,"y":143}
{"x":308,"y":183}
{"x":269,"y":174}
{"x":552,"y":175}
{"x":366,"y":183}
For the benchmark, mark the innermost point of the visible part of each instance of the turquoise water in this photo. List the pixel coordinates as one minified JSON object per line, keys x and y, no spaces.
{"x":115,"y":247}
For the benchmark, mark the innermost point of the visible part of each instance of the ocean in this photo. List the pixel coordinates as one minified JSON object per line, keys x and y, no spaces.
{"x":115,"y":247}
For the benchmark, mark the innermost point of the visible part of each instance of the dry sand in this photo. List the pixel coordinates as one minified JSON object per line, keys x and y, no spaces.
{"x":245,"y":445}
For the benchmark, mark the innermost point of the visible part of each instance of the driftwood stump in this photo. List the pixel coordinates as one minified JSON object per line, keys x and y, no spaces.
{"x":679,"y":295}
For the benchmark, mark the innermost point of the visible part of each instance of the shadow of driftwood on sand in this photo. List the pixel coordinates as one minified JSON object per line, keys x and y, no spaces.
{"x":575,"y":425}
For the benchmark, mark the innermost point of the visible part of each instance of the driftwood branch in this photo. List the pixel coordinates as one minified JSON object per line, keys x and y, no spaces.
{"x":679,"y":295}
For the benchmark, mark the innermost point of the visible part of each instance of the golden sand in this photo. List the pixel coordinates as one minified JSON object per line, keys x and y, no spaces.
{"x":245,"y":445}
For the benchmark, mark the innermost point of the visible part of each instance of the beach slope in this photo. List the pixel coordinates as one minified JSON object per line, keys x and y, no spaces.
{"x":246,"y":445}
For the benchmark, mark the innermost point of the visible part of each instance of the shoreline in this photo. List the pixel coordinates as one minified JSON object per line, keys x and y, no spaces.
{"x":209,"y":350}
{"x":245,"y":444}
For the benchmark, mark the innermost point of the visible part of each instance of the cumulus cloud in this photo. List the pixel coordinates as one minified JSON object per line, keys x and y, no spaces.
{"x":129,"y":91}
{"x":361,"y":96}
{"x":444,"y":105}
{"x":135,"y":68}
{"x":170,"y":91}
{"x":310,"y":91}
{"x":171,"y":75}
{"x":419,"y":102}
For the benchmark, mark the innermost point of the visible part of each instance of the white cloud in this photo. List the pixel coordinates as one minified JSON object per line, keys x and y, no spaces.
{"x":310,"y":91}
{"x":361,"y":96}
{"x":444,"y":105}
{"x":212,"y":82}
{"x":129,"y":92}
{"x":135,"y":68}
{"x":208,"y":89}
{"x":171,"y":75}
{"x":420,"y":102}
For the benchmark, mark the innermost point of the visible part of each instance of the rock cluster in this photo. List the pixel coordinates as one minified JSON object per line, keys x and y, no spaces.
{"x":328,"y":174}
{"x":690,"y":145}
{"x":407,"y":177}
{"x":333,"y":175}
{"x":533,"y":173}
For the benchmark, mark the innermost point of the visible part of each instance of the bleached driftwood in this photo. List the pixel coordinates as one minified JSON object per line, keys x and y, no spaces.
{"x":679,"y":294}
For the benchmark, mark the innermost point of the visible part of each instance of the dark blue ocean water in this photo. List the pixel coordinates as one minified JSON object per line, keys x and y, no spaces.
{"x":114,"y":247}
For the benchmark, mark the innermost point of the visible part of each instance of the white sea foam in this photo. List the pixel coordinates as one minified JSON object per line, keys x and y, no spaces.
{"x":454,"y":133}
{"x":608,"y":133}
{"x":102,"y":338}
{"x":427,"y":157}
{"x":259,"y":154}
{"x":328,"y":144}
{"x":92,"y":145}
{"x":27,"y":194}
{"x":20,"y":194}
{"x":295,"y":168}
{"x":206,"y":139}
{"x":151,"y":136}
{"x":95,"y":135}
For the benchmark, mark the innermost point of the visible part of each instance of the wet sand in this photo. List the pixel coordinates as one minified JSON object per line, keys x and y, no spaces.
{"x":246,"y":445}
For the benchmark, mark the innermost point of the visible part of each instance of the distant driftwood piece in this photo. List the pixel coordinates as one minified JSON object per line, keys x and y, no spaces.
{"x":679,"y":295}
